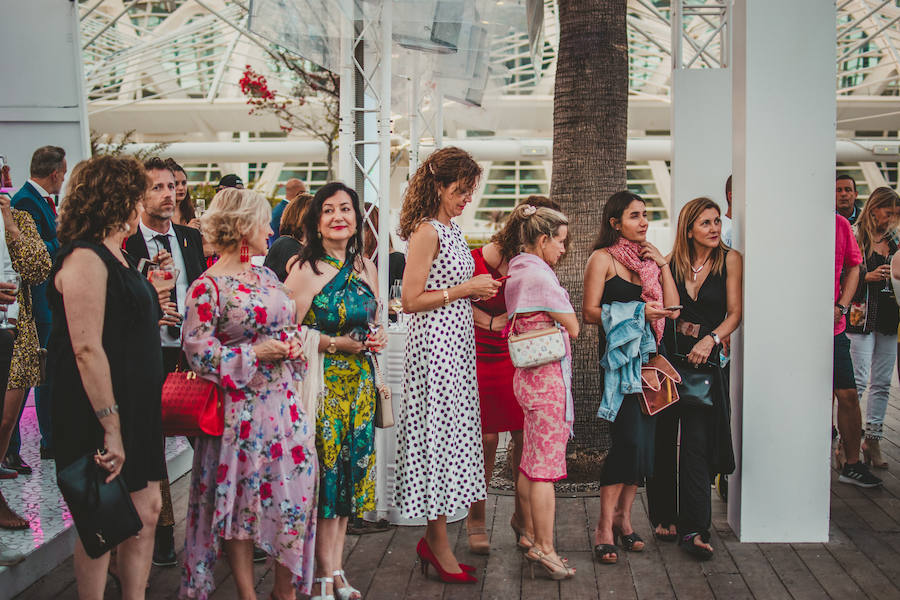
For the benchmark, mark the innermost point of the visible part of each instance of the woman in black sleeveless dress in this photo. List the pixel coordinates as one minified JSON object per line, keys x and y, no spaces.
{"x":625,"y":268}
{"x":105,"y":355}
{"x":708,"y":275}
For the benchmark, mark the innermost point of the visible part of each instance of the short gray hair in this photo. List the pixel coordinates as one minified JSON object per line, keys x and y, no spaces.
{"x":46,"y":160}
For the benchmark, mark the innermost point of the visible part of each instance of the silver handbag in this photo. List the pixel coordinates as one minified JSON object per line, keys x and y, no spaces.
{"x":537,"y":347}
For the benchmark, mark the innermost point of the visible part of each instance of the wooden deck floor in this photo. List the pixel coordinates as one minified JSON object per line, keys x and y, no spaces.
{"x":861,"y":559}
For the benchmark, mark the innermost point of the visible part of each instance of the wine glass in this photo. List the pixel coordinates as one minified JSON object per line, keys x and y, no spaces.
{"x":887,"y":281}
{"x":395,"y":304}
{"x":374,"y":311}
{"x":200,"y":206}
{"x":163,"y":277}
{"x":17,"y":282}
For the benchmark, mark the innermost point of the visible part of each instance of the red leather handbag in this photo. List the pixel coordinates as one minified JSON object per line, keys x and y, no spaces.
{"x":191,"y":405}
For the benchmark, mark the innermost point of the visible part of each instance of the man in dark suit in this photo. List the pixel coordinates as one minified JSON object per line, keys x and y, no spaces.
{"x":38,"y":198}
{"x":164,"y":242}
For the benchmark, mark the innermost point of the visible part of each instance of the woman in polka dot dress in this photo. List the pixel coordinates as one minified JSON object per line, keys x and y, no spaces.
{"x":440,"y":465}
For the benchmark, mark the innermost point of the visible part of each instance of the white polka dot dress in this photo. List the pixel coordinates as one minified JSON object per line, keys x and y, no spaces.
{"x":440,"y":463}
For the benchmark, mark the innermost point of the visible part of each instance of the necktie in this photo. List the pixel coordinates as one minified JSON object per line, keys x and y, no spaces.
{"x":163,"y":240}
{"x":49,"y":200}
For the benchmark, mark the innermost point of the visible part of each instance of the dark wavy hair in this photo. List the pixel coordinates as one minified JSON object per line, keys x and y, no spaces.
{"x":102,"y":196}
{"x":421,"y":201}
{"x":186,"y":206}
{"x":613,"y":209}
{"x":312,"y":252}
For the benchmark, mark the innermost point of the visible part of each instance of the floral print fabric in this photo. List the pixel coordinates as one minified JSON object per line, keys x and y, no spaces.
{"x":259,"y":480}
{"x":345,"y":428}
{"x":541,"y":392}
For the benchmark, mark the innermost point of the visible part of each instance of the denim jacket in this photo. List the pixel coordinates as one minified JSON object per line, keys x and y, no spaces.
{"x":629,"y":342}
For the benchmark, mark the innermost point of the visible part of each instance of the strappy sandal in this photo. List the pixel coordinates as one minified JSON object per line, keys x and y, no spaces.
{"x":556,"y":568}
{"x":322,"y":595}
{"x":687,"y":544}
{"x":519,"y":533}
{"x":347,"y":591}
{"x":602,"y":552}
{"x":629,"y":542}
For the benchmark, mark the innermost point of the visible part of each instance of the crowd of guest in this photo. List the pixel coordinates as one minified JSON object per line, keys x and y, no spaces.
{"x":130,"y":282}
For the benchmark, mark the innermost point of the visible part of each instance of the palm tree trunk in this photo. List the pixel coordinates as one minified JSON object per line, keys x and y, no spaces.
{"x":590,"y":118}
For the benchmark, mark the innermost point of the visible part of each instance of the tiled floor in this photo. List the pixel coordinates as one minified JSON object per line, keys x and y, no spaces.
{"x":36,"y":497}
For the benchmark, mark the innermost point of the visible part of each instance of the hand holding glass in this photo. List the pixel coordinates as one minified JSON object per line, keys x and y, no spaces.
{"x":15,"y":281}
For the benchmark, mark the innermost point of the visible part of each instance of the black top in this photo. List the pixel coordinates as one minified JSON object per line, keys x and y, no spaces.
{"x":617,"y":289}
{"x":280,"y":253}
{"x":887,"y":315}
{"x":708,"y":310}
{"x":131,"y":344}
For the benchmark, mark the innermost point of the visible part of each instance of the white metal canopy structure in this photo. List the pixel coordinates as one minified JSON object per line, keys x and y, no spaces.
{"x":170,"y":70}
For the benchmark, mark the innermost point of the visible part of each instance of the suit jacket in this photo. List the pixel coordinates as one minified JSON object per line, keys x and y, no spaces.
{"x":189,"y":241}
{"x":29,"y":200}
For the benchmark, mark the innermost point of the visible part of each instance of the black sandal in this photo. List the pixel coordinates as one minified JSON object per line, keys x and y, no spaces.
{"x":665,"y":537}
{"x":687,"y":544}
{"x":601,"y":550}
{"x":628,"y":541}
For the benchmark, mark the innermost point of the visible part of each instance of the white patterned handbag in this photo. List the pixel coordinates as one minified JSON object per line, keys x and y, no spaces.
{"x":537,"y":347}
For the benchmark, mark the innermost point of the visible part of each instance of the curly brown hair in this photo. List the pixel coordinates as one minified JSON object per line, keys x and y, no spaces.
{"x":507,"y":239}
{"x":102,"y":196}
{"x":421,"y":201}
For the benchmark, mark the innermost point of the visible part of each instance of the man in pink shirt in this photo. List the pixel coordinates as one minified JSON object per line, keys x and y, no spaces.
{"x":847,"y":259}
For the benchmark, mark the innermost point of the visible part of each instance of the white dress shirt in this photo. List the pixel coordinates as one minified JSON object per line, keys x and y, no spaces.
{"x":181,"y":282}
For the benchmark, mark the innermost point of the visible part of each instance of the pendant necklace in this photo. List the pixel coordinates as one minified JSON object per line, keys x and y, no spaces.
{"x":698,"y":269}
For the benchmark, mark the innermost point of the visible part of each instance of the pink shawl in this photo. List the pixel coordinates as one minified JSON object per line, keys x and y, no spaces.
{"x":629,"y":254}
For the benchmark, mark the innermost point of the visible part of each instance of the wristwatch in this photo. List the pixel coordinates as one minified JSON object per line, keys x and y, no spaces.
{"x":844,"y":309}
{"x":332,"y":347}
{"x":715,"y":337}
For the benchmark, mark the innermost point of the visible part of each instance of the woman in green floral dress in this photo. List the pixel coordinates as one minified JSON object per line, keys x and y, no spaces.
{"x":335,"y":289}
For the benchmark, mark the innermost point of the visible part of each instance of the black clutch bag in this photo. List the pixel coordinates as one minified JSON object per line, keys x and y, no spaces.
{"x":103,"y":512}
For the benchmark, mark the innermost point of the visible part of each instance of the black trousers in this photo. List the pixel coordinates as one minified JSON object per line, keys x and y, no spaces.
{"x":679,"y":492}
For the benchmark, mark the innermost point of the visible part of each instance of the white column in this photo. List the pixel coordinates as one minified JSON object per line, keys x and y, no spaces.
{"x":44,"y":102}
{"x":784,"y":140}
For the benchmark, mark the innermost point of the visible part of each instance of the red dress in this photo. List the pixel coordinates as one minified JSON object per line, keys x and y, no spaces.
{"x":500,"y":411}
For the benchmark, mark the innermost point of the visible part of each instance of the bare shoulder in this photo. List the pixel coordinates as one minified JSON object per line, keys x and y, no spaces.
{"x":81,"y":268}
{"x":733,"y":259}
{"x":424,"y":232}
{"x":599,"y":260}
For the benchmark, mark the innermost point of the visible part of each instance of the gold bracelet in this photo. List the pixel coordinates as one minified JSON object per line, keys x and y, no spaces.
{"x":332,"y":347}
{"x":446,"y":298}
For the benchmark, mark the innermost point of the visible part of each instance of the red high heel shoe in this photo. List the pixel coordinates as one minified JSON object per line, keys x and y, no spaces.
{"x":426,"y":557}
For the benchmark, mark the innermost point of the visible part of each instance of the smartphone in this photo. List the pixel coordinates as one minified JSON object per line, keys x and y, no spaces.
{"x":676,"y":307}
{"x":504,"y":278}
{"x":145,"y":266}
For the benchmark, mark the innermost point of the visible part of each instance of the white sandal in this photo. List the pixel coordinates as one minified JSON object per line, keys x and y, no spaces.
{"x":347,"y":591}
{"x":322,"y":595}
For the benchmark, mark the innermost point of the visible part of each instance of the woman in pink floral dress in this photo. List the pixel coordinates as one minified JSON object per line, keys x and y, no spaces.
{"x":536,"y":300}
{"x":257,"y":483}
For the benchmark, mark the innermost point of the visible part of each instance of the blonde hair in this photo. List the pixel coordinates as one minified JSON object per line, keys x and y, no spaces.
{"x":683,"y":254}
{"x":233,"y":215}
{"x":865,"y":224}
{"x":536,"y":222}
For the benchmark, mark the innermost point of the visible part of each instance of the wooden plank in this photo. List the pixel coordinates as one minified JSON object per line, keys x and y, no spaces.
{"x":571,"y":526}
{"x":881,"y":555}
{"x":54,"y":584}
{"x":685,"y":572}
{"x":648,"y":579}
{"x":794,"y":574}
{"x":365,"y":556}
{"x":479,"y":561}
{"x":761,"y":579}
{"x":612,"y":581}
{"x":503,"y":578}
{"x":827,"y":571}
{"x":729,"y":586}
{"x":866,"y":575}
{"x":394,"y":576}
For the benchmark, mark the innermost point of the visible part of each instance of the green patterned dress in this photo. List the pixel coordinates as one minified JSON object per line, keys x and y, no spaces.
{"x":345,"y":427}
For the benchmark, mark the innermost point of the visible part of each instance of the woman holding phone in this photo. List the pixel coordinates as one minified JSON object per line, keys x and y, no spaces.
{"x":625,"y":267}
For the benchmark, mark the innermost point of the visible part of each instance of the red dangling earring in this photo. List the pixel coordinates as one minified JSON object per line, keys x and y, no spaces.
{"x":245,"y":252}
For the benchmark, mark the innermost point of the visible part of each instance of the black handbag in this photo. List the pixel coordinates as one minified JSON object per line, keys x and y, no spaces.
{"x":103,"y":512}
{"x":696,"y":386}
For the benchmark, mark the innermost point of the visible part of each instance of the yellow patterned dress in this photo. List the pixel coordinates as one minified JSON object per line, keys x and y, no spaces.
{"x":31,"y":261}
{"x":345,"y":427}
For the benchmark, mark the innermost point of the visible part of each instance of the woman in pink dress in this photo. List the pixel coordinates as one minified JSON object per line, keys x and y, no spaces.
{"x":536,"y":300}
{"x":257,"y":484}
{"x":500,"y":411}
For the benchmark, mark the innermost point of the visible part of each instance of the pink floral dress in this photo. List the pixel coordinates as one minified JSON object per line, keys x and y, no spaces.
{"x":259,"y":480}
{"x":541,"y":392}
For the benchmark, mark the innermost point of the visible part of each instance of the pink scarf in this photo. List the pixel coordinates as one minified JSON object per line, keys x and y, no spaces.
{"x":629,"y":254}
